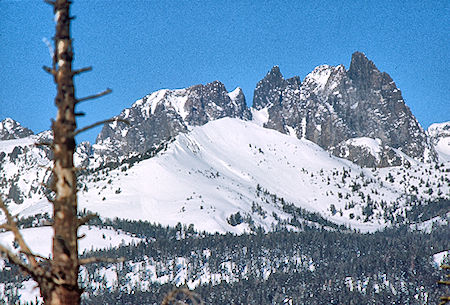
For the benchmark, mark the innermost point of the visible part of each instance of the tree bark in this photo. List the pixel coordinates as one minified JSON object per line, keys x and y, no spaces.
{"x":57,"y":277}
{"x":63,"y":288}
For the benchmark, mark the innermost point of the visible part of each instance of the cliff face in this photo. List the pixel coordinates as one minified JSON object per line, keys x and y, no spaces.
{"x":334,"y":105}
{"x":162,"y":115}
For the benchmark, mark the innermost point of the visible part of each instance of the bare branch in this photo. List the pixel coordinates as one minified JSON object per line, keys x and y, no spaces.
{"x":444,"y":300}
{"x":44,"y":167}
{"x":15,"y":259}
{"x":80,"y":113}
{"x":49,"y":70}
{"x":100,"y":123}
{"x":93,"y":260}
{"x":35,"y":255}
{"x":44,"y":144}
{"x":91,"y":97}
{"x":84,"y":220}
{"x":52,"y":3}
{"x":12,"y":226}
{"x":82,"y":70}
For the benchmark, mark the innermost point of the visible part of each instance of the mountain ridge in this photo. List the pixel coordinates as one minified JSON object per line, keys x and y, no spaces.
{"x":332,"y":107}
{"x":320,"y":111}
{"x":235,"y":176}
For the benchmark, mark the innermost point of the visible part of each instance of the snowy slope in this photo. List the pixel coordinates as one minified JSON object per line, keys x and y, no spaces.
{"x":211,"y":173}
{"x":40,"y":239}
{"x":25,"y":169}
{"x":214,"y":171}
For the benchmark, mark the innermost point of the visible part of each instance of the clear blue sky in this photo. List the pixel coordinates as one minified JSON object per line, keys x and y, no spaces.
{"x":137,"y":47}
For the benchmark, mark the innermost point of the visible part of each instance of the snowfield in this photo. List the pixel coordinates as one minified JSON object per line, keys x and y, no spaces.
{"x":228,"y":175}
{"x":39,"y":239}
{"x":230,"y":166}
{"x":214,"y":171}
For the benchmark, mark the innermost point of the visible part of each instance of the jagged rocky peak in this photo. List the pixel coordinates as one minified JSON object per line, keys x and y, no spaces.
{"x":323,"y":79}
{"x":333,"y":105}
{"x":365,"y":75}
{"x":162,"y":115}
{"x":440,"y":137}
{"x":11,"y":129}
{"x":269,"y":90}
{"x":237,"y":96}
{"x":362,"y":70}
{"x":212,"y":101}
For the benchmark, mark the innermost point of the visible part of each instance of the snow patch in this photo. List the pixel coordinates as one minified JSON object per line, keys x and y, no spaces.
{"x":439,"y":258}
{"x":373,"y":145}
{"x":260,"y":117}
{"x":234,"y":94}
{"x":40,"y":239}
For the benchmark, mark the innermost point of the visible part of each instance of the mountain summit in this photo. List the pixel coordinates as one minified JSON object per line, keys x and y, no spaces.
{"x":358,"y":114}
{"x":336,"y":108}
{"x":11,"y":129}
{"x":202,"y":156}
{"x":160,"y":116}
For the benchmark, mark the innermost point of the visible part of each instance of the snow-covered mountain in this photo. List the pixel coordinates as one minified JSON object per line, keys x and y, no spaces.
{"x":10,"y":129}
{"x":333,"y":107}
{"x":337,"y":108}
{"x":230,"y":166}
{"x":233,"y":175}
{"x":162,"y":115}
{"x":199,"y":155}
{"x":440,"y":137}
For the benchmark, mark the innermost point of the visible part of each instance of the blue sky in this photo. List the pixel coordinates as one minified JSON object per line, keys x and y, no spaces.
{"x":137,"y":47}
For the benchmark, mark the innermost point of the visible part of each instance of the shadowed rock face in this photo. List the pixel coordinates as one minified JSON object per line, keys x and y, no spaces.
{"x":333,"y":105}
{"x":10,"y":129}
{"x":162,"y":115}
{"x":211,"y":102}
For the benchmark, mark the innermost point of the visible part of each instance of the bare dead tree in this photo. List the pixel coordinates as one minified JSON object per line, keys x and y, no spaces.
{"x":57,"y":277}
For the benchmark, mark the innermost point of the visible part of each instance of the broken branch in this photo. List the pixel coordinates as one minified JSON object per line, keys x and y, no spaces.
{"x":44,"y":144}
{"x":99,"y":123}
{"x":91,"y":97}
{"x":15,"y":259}
{"x":12,"y":226}
{"x":49,"y":70}
{"x":84,"y":220}
{"x":82,"y":70}
{"x":92,"y":260}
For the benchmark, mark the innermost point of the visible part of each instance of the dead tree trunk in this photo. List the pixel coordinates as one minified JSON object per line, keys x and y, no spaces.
{"x":62,"y":287}
{"x":64,"y":265}
{"x":58,"y":277}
